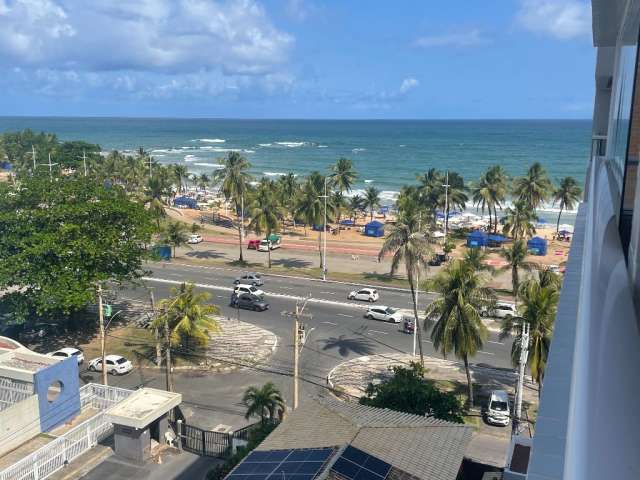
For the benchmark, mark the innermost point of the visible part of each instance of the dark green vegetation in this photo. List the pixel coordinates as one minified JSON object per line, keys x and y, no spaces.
{"x":410,"y":392}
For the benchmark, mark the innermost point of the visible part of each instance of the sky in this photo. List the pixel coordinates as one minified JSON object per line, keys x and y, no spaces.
{"x":372,"y":59}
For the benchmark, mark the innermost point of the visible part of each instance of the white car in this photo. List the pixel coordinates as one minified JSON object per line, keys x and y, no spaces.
{"x":386,"y":314}
{"x":244,"y":288}
{"x":555,"y":269}
{"x":266,"y":245}
{"x":68,"y":352}
{"x":364,"y":294}
{"x":116,"y":365}
{"x":498,"y":408}
{"x":193,"y":239}
{"x":501,"y":310}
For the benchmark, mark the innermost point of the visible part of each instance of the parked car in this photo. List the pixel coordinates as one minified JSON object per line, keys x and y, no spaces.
{"x":253,"y":244}
{"x":250,"y":278}
{"x":365,"y":294}
{"x":386,"y":314}
{"x":248,"y":301}
{"x":193,"y":239}
{"x":498,"y":408}
{"x":68,"y":352}
{"x":501,"y":310}
{"x":115,"y":365}
{"x":244,"y":288}
{"x":438,"y":259}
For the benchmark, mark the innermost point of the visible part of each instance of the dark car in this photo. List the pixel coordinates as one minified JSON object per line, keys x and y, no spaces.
{"x":438,"y":259}
{"x":249,"y":302}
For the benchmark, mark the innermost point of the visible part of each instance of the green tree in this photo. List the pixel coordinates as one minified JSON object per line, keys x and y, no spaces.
{"x":343,"y":175}
{"x":476,"y":258}
{"x":408,"y":391}
{"x":454,"y":197}
{"x":311,"y":206}
{"x":371,"y":199}
{"x":234,"y":178}
{"x":490,"y":193}
{"x":265,"y":402}
{"x":265,"y":211}
{"x":180,"y":174}
{"x":548,"y":278}
{"x":175,"y":234}
{"x":516,"y":255}
{"x":520,"y":221}
{"x":355,"y":207}
{"x":430,"y":191}
{"x":58,"y":243}
{"x":187,"y":314}
{"x":411,"y":246}
{"x":567,"y":195}
{"x":288,"y":191}
{"x":203,"y":181}
{"x":70,"y":155}
{"x":534,"y":188}
{"x":538,"y":307}
{"x":458,"y":326}
{"x":340,"y":205}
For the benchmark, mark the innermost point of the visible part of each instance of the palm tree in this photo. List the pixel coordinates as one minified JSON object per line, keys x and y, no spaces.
{"x":410,"y":246}
{"x":203,"y":181}
{"x":175,"y":235}
{"x":356,"y":206}
{"x":537,"y":308}
{"x":343,"y":175}
{"x":548,"y":278}
{"x":476,"y":258}
{"x":264,"y":402}
{"x":567,"y":195}
{"x":340,"y":205}
{"x":455,"y":196}
{"x":288,"y":190}
{"x":516,"y":258}
{"x":519,"y":221}
{"x":534,"y":188}
{"x":156,"y":209}
{"x":497,"y":183}
{"x":371,"y":199}
{"x":430,"y":190}
{"x":265,"y":211}
{"x":235,"y":178}
{"x":187,"y":314}
{"x":482,"y":197}
{"x":458,"y":327}
{"x":311,"y":206}
{"x":180,"y":172}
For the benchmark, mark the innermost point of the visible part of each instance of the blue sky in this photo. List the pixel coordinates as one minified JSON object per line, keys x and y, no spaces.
{"x":297,"y":58}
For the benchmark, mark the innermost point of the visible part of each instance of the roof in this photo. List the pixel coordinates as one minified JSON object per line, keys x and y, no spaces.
{"x":142,"y":407}
{"x":374,"y":223}
{"x":424,"y":447}
{"x":537,"y":240}
{"x":478,"y":233}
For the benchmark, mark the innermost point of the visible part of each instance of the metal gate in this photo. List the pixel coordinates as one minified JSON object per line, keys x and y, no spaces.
{"x":205,"y":442}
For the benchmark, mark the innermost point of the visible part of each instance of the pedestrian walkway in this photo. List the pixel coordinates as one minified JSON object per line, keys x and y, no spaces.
{"x":239,"y":345}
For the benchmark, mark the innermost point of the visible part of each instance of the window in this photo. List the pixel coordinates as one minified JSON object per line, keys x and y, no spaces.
{"x":120,"y":361}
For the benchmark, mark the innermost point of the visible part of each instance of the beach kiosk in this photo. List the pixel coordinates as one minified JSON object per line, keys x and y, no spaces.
{"x":537,"y":246}
{"x":141,"y":421}
{"x":374,"y":229}
{"x":477,"y":239}
{"x":495,"y":240}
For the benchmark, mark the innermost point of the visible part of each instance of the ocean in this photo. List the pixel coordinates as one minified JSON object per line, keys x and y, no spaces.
{"x":387,"y":154}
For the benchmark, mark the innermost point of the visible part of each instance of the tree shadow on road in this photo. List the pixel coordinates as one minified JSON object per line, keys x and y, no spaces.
{"x":204,"y":254}
{"x":291,"y":263}
{"x":346,"y":345}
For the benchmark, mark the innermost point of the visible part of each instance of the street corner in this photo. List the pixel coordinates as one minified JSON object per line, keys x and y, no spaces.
{"x":239,"y":345}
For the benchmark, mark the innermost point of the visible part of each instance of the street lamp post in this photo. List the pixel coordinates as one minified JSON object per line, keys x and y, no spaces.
{"x":324,"y":233}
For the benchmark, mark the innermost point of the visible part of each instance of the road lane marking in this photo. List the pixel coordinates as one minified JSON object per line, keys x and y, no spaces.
{"x":329,"y":293}
{"x":427,"y":341}
{"x":486,"y":353}
{"x":497,"y":343}
{"x":330,"y":323}
{"x":378,"y":331}
{"x":344,"y":315}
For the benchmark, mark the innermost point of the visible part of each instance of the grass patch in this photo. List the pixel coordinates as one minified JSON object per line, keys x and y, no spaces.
{"x":473,"y":421}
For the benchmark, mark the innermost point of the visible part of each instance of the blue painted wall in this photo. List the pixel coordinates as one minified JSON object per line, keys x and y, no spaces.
{"x":67,"y":404}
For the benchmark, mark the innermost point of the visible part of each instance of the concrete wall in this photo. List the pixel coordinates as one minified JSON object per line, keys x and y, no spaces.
{"x":132,"y":443}
{"x":67,"y":404}
{"x":19,"y":423}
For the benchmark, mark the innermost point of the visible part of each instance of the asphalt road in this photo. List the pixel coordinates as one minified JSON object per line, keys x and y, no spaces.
{"x":338,"y":332}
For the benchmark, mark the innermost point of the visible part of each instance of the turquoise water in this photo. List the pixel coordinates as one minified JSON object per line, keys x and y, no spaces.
{"x":386,"y":154}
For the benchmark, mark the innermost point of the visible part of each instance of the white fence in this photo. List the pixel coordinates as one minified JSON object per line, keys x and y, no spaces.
{"x":56,"y":454}
{"x":13,"y":391}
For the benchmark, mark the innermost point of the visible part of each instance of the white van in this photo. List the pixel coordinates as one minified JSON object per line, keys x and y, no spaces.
{"x":498,"y":410}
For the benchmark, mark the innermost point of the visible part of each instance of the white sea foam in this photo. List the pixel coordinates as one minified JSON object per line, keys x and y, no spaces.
{"x":274,"y":174}
{"x":265,"y":144}
{"x":369,"y":181}
{"x":292,"y":144}
{"x":210,"y":165}
{"x":191,"y":158}
{"x":402,"y":146}
{"x":358,"y":150}
{"x":249,"y":151}
{"x":389,"y":195}
{"x":323,"y":146}
{"x":212,"y":140}
{"x":161,"y":150}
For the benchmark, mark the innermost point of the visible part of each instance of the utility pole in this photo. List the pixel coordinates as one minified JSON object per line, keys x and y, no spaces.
{"x":298,"y":328}
{"x":156,"y":331}
{"x":167,"y":350}
{"x":102,"y":335}
{"x":524,"y":355}
{"x":51,"y":165}
{"x":324,"y":234}
{"x":33,"y":154}
{"x":416,"y":291}
{"x":446,"y":206}
{"x":84,"y":161}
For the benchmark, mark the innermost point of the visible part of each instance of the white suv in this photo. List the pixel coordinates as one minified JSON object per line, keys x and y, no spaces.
{"x":498,"y":409}
{"x":244,"y":288}
{"x":116,"y":365}
{"x":365,"y":294}
{"x":501,"y":310}
{"x":386,"y":314}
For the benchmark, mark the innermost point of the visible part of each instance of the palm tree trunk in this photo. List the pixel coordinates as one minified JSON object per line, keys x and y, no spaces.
{"x":240,"y":240}
{"x":514,"y":280}
{"x":174,"y":250}
{"x":558,"y":222}
{"x":495,"y":220}
{"x":469,"y":383}
{"x":417,"y":318}
{"x":269,"y":252}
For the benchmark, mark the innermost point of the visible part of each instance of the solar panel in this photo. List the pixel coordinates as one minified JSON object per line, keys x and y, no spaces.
{"x":355,"y":464}
{"x":296,"y":464}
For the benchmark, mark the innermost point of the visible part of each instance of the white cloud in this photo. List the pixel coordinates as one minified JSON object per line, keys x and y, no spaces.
{"x":468,"y":38}
{"x":174,"y":36}
{"x":562,"y":19}
{"x":299,"y":10}
{"x":408,"y":83}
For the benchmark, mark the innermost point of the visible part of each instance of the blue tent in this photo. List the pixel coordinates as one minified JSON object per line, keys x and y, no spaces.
{"x":537,"y":246}
{"x":346,"y":222}
{"x":186,"y":201}
{"x":374,"y":229}
{"x":477,"y":239}
{"x":496,"y":240}
{"x":383,"y":210}
{"x":162,"y":251}
{"x":317,"y":228}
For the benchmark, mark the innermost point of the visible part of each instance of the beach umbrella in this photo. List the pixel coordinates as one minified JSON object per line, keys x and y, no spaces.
{"x":565,"y":227}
